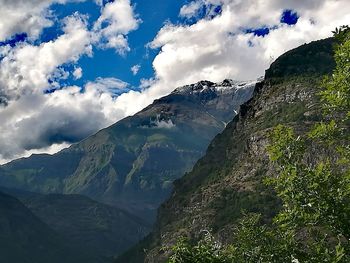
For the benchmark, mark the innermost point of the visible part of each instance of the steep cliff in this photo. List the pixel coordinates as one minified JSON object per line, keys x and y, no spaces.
{"x":228,"y":179}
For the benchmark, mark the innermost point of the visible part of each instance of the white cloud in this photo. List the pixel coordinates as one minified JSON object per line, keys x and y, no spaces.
{"x":33,"y":121}
{"x":194,"y":7}
{"x":27,"y":68}
{"x":31,"y":16}
{"x":23,"y":16}
{"x":26,"y":16}
{"x":116,"y":21}
{"x":135,"y":69}
{"x":110,"y":85}
{"x":36,"y":121}
{"x":163,"y":124}
{"x":191,"y":9}
{"x":218,"y":48}
{"x":119,"y":43}
{"x":78,"y":73}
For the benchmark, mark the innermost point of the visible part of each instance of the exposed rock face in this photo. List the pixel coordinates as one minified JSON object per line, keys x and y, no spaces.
{"x":228,"y":179}
{"x":133,"y":163}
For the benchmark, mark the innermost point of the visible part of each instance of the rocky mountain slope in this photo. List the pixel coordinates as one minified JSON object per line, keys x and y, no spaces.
{"x":228,"y":179}
{"x":102,"y":231}
{"x":133,"y":163}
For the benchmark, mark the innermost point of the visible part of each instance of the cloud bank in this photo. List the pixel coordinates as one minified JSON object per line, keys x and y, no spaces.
{"x":37,"y":113}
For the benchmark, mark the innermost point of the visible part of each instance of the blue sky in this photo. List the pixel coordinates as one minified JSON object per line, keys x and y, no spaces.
{"x":107,"y":63}
{"x":65,"y":65}
{"x":154,"y":14}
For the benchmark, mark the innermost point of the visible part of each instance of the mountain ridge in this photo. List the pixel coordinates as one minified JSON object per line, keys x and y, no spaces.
{"x":132,"y":163}
{"x":228,"y":178}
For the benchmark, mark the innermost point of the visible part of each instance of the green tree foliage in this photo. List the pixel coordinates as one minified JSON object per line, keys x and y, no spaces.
{"x":206,"y":250}
{"x":315,"y":195}
{"x":253,"y":242}
{"x":313,"y":182}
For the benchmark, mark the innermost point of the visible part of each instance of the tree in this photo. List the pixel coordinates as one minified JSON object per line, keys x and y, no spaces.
{"x":316,"y":195}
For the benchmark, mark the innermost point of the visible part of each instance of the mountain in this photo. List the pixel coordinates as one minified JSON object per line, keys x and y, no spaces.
{"x":228,"y":179}
{"x":24,"y":238}
{"x":101,"y":230}
{"x":133,"y":163}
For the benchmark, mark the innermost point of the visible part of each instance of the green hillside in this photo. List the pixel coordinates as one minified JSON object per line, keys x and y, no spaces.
{"x":133,"y":163}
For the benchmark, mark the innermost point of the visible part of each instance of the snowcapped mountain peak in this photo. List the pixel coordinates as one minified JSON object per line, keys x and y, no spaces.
{"x":206,"y":86}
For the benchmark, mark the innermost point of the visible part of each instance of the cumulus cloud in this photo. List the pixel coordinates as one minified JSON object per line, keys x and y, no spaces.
{"x":32,"y":119}
{"x":219,"y":47}
{"x":39,"y":115}
{"x":206,"y":7}
{"x":36,"y":121}
{"x":78,"y":73}
{"x":28,"y":68}
{"x":29,"y":16}
{"x":190,"y":9}
{"x":135,"y":69}
{"x":109,"y":85}
{"x":36,"y":112}
{"x":116,"y":21}
{"x":23,"y":16}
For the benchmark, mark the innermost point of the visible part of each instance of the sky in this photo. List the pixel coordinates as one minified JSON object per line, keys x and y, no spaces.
{"x":71,"y":67}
